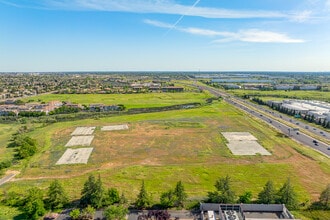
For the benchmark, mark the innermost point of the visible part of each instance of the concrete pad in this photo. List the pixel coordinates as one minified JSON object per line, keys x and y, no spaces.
{"x":246,"y":148}
{"x":114,"y":127}
{"x":74,"y":156}
{"x":80,"y":141}
{"x":83,"y":131}
{"x":238,"y":136}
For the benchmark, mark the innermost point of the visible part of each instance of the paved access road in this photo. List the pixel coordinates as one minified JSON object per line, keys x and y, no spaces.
{"x":288,"y":130}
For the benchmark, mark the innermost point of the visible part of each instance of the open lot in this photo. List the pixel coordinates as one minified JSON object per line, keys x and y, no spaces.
{"x":165,"y":147}
{"x":114,"y":127}
{"x":83,"y":131}
{"x":80,"y":141}
{"x":74,"y":156}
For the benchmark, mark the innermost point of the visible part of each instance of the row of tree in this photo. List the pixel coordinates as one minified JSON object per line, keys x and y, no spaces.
{"x":269,"y":195}
{"x":93,"y":196}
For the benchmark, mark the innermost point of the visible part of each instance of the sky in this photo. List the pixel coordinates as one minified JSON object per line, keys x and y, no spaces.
{"x":164,"y":35}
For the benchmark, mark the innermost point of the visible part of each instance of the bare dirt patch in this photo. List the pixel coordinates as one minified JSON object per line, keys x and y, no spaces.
{"x":80,"y":141}
{"x":83,"y":131}
{"x":74,"y":156}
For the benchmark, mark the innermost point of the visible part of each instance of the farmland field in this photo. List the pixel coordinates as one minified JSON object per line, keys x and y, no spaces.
{"x":143,"y":100}
{"x":165,"y":147}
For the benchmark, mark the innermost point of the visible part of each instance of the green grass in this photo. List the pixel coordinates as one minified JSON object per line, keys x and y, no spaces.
{"x":144,"y":100}
{"x":7,"y":213}
{"x":6,"y":131}
{"x":280,"y":94}
{"x":312,"y":215}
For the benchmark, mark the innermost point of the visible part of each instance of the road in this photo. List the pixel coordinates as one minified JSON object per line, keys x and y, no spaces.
{"x":274,"y":121}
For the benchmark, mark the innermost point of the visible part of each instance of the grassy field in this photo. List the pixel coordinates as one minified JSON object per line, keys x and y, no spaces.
{"x":143,"y":100}
{"x":6,"y":130}
{"x":163,"y":148}
{"x":280,"y":94}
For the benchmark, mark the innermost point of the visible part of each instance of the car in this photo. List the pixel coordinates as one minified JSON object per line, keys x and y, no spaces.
{"x":315,"y":141}
{"x":297,"y":133}
{"x":328,"y":148}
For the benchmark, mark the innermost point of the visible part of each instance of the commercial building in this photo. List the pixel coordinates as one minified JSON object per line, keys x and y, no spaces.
{"x":211,"y":211}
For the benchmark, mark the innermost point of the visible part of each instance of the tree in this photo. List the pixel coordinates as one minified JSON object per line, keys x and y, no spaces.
{"x":56,"y":196}
{"x":92,"y":193}
{"x":143,"y":200}
{"x":287,"y":195}
{"x":223,"y":192}
{"x":26,"y":146}
{"x":168,"y":199}
{"x":268,"y":194}
{"x":245,"y":198}
{"x":180,"y":194}
{"x":33,"y":206}
{"x":325,"y":197}
{"x":115,"y":212}
{"x":111,"y":197}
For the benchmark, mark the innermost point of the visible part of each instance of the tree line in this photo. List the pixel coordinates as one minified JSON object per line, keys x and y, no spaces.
{"x":35,"y":204}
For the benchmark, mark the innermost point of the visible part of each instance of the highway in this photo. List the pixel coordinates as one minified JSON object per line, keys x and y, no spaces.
{"x":298,"y":124}
{"x":290,"y":131}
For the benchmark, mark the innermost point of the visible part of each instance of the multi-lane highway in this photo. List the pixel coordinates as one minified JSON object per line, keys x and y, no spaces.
{"x":290,"y":128}
{"x":318,"y":133}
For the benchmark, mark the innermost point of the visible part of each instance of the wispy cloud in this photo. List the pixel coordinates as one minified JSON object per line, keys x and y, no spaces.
{"x":155,"y":6}
{"x":302,"y":16}
{"x":260,"y":36}
{"x":250,"y":35}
